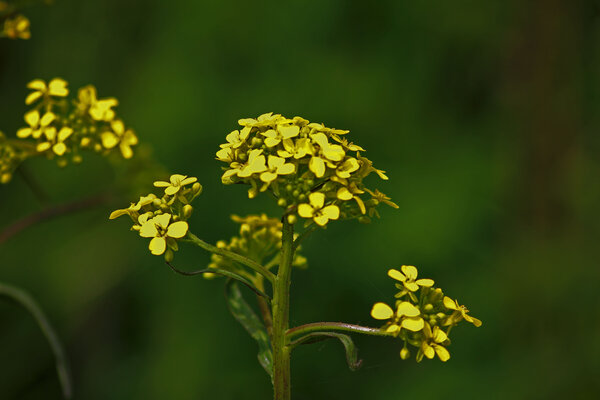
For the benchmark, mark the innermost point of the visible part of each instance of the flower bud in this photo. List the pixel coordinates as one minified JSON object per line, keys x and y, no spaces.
{"x":186,"y":211}
{"x":197,"y":188}
{"x":281,"y":202}
{"x":169,"y":255}
{"x":292,"y":219}
{"x":404,"y":353}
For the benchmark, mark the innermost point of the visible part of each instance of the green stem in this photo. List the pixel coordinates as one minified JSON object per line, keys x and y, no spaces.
{"x":281,"y":309}
{"x":333,"y":327}
{"x":253,"y":265}
{"x":25,"y":300}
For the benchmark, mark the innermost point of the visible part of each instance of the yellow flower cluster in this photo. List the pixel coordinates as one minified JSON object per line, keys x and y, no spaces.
{"x":312,"y":170}
{"x":164,"y":219}
{"x":10,"y":158}
{"x":16,"y":27}
{"x":259,"y":240}
{"x":423,"y":321}
{"x":62,"y":130}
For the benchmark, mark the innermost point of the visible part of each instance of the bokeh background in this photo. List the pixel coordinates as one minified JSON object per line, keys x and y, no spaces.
{"x":484,"y":114}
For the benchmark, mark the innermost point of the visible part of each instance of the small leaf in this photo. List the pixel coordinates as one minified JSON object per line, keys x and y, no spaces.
{"x":351,"y":351}
{"x":246,"y":316}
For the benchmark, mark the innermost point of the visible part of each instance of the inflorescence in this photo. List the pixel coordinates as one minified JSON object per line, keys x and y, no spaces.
{"x":164,"y":219}
{"x":423,"y":316}
{"x":313,"y":171}
{"x":59,"y":128}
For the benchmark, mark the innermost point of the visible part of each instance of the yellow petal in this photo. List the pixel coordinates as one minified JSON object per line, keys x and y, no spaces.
{"x":381,"y":311}
{"x":37,"y":84}
{"x":286,"y":169}
{"x":109,"y":139}
{"x":289,"y":131}
{"x":47,"y":119}
{"x":439,"y":336}
{"x":189,"y":180}
{"x":472,"y":320}
{"x":59,"y":148}
{"x":425,"y":282}
{"x":118,"y":126}
{"x":428,"y":351}
{"x":126,"y":150}
{"x":161,"y":184}
{"x":321,"y":219}
{"x":271,"y":142}
{"x":32,"y":118}
{"x":177,"y":229}
{"x":413,"y":287}
{"x":269,"y":134}
{"x":32,"y":97}
{"x":24,"y":132}
{"x":268,"y":177}
{"x":58,"y":87}
{"x":413,"y":324}
{"x":397,"y":275}
{"x":162,"y":220}
{"x":316,"y":199}
{"x":148,"y":229}
{"x":317,"y":166}
{"x":331,"y":212}
{"x":305,"y":211}
{"x":410,"y":271}
{"x":344,"y":194}
{"x":64,"y":133}
{"x":392,"y":328}
{"x":442,"y":353}
{"x":43,"y":146}
{"x":157,"y":246}
{"x":118,"y":213}
{"x":171,"y":190}
{"x":450,"y":304}
{"x":407,"y":309}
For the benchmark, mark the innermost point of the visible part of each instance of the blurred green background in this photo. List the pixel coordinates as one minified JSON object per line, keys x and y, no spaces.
{"x":484,"y":114}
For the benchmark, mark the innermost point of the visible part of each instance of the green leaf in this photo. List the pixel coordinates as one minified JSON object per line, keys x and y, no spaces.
{"x":27,"y":302}
{"x":251,"y":322}
{"x":351,"y":351}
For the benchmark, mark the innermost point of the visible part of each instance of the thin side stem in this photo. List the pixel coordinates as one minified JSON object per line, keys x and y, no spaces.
{"x":281,"y":309}
{"x":25,"y":300}
{"x":33,"y":184}
{"x":50,"y":213}
{"x":253,"y":265}
{"x":302,"y":330}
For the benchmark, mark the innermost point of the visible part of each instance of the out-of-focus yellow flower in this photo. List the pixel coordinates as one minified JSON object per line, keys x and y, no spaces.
{"x":125,"y":138}
{"x":17,"y":27}
{"x":100,"y":110}
{"x":37,"y":124}
{"x":55,"y":140}
{"x":461,"y":312}
{"x":56,"y":87}
{"x":160,"y":228}
{"x":432,"y":344}
{"x":316,"y":210}
{"x":408,"y":277}
{"x":177,"y":181}
{"x":274,"y":137}
{"x":276,"y":166}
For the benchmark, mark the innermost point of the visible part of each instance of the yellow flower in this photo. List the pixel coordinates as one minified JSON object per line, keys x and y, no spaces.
{"x":236,"y":138}
{"x":277,"y":166}
{"x":256,"y":164}
{"x":316,"y":210}
{"x":177,"y":181}
{"x":459,"y":312}
{"x":407,"y":316}
{"x":263,"y":120}
{"x":346,"y":144}
{"x":160,"y":228}
{"x":56,"y":87}
{"x":367,"y":168}
{"x":283,"y":132}
{"x":36,"y":124}
{"x":408,"y":277}
{"x":351,"y":191}
{"x":55,"y":140}
{"x":226,"y":154}
{"x":100,"y":110}
{"x":295,"y":148}
{"x":346,"y":168}
{"x":125,"y":138}
{"x":17,"y":27}
{"x":134,"y":207}
{"x":381,"y":198}
{"x":327,"y":152}
{"x":432,"y":344}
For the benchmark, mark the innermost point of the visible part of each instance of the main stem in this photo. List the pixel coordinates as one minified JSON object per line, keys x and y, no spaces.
{"x":281,"y":310}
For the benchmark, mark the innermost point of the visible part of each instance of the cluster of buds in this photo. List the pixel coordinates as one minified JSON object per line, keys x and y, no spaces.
{"x":313,"y":171}
{"x":11,"y":156}
{"x":61,"y":129}
{"x":259,"y":240}
{"x":164,"y":219}
{"x":423,"y":316}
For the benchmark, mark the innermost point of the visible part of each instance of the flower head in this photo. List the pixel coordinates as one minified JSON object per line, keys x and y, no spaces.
{"x":408,"y":277}
{"x":176,"y":182}
{"x":160,"y":228}
{"x":99,"y":110}
{"x":118,"y":135}
{"x":432,"y":344}
{"x":460,"y":312}
{"x":57,"y":87}
{"x":17,"y":27}
{"x":37,"y":124}
{"x":317,"y":210}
